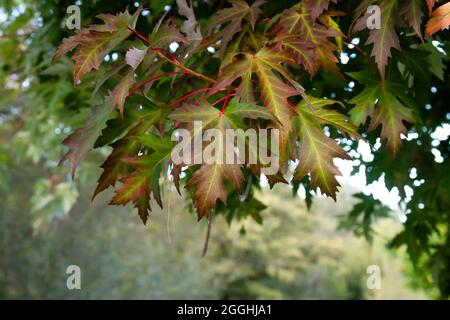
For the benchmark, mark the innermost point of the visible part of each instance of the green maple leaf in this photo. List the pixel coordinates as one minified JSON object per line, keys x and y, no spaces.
{"x":390,"y":114}
{"x":382,"y":102}
{"x":114,"y":167}
{"x":82,"y":139}
{"x":435,"y":60}
{"x":138,"y":186}
{"x":165,"y":34}
{"x":140,"y":111}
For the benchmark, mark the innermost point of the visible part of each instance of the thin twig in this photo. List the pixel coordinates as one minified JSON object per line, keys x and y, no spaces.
{"x":171,"y":59}
{"x":183,"y":67}
{"x":169,"y":202}
{"x":187,"y":96}
{"x":208,"y":233}
{"x":153,"y":79}
{"x":371,"y":65}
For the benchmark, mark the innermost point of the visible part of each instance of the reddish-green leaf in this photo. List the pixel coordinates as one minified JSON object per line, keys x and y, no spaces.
{"x":413,"y":14}
{"x":231,"y":19}
{"x":300,"y":25}
{"x":316,"y":7}
{"x":385,"y":38}
{"x":122,"y":89}
{"x":317,"y":152}
{"x":96,"y":41}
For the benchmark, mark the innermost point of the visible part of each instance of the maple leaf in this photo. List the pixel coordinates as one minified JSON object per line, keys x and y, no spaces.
{"x":430,"y":4}
{"x":96,"y":41}
{"x":236,"y":111}
{"x":391,"y":114}
{"x":209,"y":180}
{"x":317,"y":152}
{"x":231,"y":118}
{"x":266,"y":63}
{"x":190,"y":27}
{"x":231,"y":72}
{"x":83,"y":139}
{"x":385,"y":38}
{"x":140,"y":111}
{"x":138,"y":186}
{"x":382,"y":102}
{"x":190,"y":112}
{"x":114,"y":166}
{"x":231,"y":19}
{"x":314,"y":107}
{"x":122,"y":89}
{"x":364,"y":103}
{"x":165,"y":34}
{"x":413,"y":14}
{"x":316,"y":149}
{"x":134,"y":57}
{"x":209,"y":185}
{"x":440,"y":20}
{"x":304,"y":52}
{"x":275,"y":94}
{"x":316,"y":7}
{"x":298,"y":29}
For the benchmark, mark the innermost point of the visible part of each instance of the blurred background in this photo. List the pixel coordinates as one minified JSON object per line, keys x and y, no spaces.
{"x":48,"y":222}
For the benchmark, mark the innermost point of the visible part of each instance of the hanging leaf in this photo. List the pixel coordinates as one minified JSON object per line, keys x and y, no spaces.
{"x":413,"y":14}
{"x":209,"y":180}
{"x":316,"y":7}
{"x":122,"y":89}
{"x":317,"y":152}
{"x":440,"y":20}
{"x":382,"y":103}
{"x":315,"y":108}
{"x":301,"y":34}
{"x":385,"y":38}
{"x":390,"y":114}
{"x":83,"y":139}
{"x":138,"y":186}
{"x":96,"y":41}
